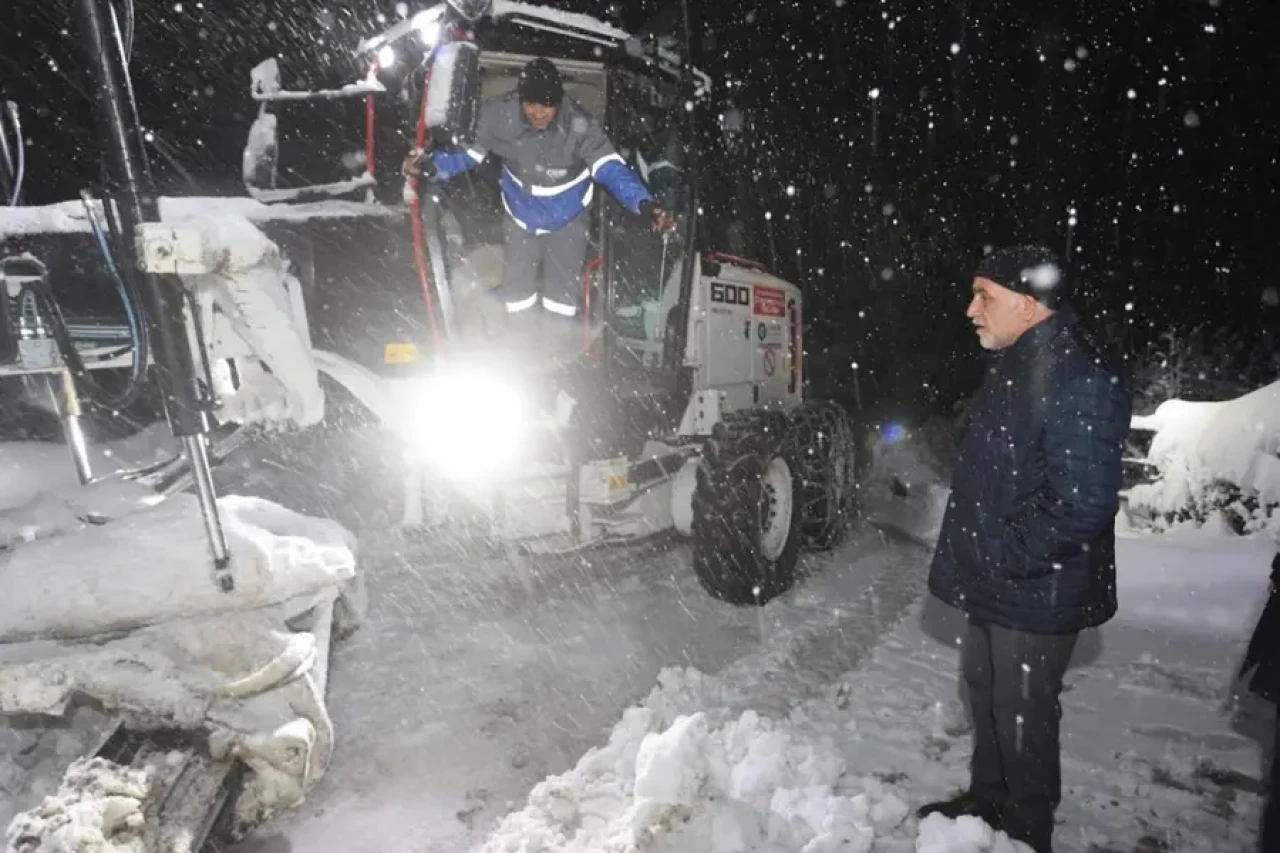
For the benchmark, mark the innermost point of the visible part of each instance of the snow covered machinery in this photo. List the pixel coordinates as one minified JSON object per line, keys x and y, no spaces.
{"x":177,"y":643}
{"x":684,"y":409}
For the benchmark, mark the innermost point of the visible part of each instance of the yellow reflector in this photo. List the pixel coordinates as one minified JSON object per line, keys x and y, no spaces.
{"x":400,"y":354}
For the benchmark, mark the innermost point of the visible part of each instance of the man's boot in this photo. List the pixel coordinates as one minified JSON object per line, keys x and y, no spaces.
{"x":966,"y":803}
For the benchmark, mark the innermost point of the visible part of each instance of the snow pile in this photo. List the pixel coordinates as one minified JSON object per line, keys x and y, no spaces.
{"x":98,"y":808}
{"x":1200,"y":446}
{"x":675,"y":779}
{"x":110,"y":599}
{"x":152,"y":566}
{"x":966,"y":834}
{"x":697,"y":782}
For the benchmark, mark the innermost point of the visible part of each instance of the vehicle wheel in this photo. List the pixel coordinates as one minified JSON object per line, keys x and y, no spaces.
{"x":746,"y":523}
{"x":827,"y":457}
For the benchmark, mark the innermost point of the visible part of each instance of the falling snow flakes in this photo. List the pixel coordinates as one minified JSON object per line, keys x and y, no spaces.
{"x":1191,"y":119}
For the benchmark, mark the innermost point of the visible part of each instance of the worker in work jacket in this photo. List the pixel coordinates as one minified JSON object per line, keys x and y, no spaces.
{"x":552,"y":151}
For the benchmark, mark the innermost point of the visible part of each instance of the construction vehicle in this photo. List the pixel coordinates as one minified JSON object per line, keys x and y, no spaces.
{"x":684,"y":412}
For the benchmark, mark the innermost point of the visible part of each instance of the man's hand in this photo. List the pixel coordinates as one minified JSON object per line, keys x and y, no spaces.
{"x":418,"y":164}
{"x":662,"y":220}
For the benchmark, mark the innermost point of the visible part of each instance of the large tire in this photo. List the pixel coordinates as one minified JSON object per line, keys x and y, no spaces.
{"x":746,"y":524}
{"x":828,"y":460}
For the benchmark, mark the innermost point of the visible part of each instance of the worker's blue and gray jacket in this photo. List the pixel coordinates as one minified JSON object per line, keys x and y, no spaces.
{"x":547,"y":176}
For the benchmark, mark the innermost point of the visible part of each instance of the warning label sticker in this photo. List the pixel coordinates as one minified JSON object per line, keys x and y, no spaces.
{"x":769,"y":302}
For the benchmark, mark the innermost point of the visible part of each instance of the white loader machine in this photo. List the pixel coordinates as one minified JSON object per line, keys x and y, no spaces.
{"x":684,"y":411}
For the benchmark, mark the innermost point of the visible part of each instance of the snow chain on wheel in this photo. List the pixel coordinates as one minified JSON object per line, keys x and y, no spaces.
{"x":828,"y":474}
{"x":746,"y":518}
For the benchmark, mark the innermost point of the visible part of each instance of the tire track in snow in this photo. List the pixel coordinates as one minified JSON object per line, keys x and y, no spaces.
{"x":863,"y":603}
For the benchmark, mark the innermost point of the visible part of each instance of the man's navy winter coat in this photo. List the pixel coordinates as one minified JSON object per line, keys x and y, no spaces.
{"x":1028,"y":539}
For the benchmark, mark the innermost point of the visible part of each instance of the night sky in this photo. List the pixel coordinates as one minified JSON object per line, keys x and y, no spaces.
{"x":1155,"y":122}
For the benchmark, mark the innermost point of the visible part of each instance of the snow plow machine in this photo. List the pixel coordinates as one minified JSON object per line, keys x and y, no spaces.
{"x":195,"y":679}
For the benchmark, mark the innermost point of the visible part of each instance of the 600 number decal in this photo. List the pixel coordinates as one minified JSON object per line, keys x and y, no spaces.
{"x":730,"y":294}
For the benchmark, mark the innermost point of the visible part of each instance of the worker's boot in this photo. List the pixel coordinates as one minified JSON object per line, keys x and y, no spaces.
{"x":966,"y":803}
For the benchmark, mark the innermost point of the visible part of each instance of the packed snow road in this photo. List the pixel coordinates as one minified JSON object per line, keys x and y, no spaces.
{"x":474,"y":678}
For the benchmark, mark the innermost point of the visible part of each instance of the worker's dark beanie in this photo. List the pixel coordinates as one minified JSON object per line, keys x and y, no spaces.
{"x":540,"y":83}
{"x":1033,"y":270}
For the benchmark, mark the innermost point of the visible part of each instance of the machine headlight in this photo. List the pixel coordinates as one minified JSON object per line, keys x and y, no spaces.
{"x":468,"y":423}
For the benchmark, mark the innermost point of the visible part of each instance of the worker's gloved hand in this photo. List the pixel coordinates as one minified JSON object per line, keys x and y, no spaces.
{"x":662,"y":220}
{"x":419,"y":164}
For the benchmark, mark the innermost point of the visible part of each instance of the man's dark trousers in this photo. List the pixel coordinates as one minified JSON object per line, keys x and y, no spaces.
{"x":1014,"y":680}
{"x":546,"y":265}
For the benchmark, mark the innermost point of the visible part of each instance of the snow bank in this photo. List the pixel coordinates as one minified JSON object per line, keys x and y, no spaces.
{"x":705,"y":780}
{"x":700,"y":782}
{"x":1199,"y":444}
{"x":939,"y":834}
{"x":1193,"y":581}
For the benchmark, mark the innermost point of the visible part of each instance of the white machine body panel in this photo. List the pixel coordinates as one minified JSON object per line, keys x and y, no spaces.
{"x":745,"y":338}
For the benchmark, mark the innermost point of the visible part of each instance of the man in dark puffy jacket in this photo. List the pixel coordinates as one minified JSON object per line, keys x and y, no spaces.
{"x":552,"y":154}
{"x":1263,"y":659}
{"x":1027,"y":547}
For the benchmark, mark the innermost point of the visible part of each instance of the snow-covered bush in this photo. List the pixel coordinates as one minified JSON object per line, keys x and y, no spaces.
{"x":1212,"y":457}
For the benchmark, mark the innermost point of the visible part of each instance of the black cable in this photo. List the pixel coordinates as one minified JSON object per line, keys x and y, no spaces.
{"x":130,"y":282}
{"x":74,"y":361}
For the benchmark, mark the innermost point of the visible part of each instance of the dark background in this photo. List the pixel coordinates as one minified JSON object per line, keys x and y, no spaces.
{"x":1155,"y":121}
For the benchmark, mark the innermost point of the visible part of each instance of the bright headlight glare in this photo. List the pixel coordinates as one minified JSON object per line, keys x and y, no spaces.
{"x":428,"y":25}
{"x":469,"y":424}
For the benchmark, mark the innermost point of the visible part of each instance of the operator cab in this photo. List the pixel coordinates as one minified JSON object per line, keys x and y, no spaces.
{"x":635,"y":84}
{"x":631,"y":274}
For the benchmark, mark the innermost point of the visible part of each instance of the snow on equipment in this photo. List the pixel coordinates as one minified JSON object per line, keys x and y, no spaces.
{"x":682,"y":409}
{"x":191,"y":633}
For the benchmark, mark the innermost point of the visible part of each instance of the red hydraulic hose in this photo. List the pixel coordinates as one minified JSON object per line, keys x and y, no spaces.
{"x":369,"y":148}
{"x":415,"y":206}
{"x":415,"y":215}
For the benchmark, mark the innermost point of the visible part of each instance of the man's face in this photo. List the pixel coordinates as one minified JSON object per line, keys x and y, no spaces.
{"x":539,"y":116}
{"x":999,"y":315}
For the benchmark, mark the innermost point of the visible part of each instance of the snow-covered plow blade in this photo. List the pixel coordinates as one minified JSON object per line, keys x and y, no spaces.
{"x":208,"y":706}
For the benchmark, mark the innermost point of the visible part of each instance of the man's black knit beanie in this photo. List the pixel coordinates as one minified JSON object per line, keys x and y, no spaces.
{"x":540,"y":83}
{"x":1033,"y":270}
